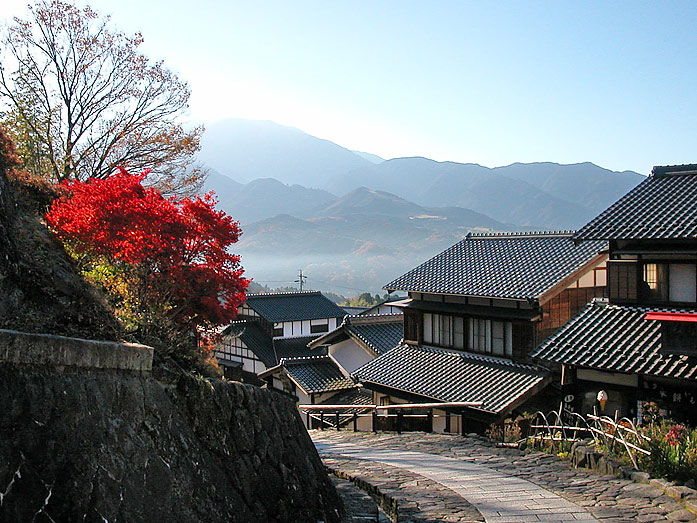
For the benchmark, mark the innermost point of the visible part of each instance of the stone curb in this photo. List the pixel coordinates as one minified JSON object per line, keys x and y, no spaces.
{"x":404,"y":496}
{"x":583,"y":456}
{"x":386,"y":502}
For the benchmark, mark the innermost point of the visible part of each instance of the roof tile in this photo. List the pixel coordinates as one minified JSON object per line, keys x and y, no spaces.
{"x":664,"y":206}
{"x":294,"y":306}
{"x":616,"y":338}
{"x":452,"y":376}
{"x":519,"y":266}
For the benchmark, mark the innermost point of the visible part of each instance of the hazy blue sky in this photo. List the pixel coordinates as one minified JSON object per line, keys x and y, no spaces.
{"x":614,"y":83}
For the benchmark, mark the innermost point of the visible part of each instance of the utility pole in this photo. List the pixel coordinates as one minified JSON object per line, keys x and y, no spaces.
{"x":301,"y":279}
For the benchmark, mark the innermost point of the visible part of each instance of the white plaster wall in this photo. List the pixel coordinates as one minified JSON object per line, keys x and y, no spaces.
{"x":349,"y":355}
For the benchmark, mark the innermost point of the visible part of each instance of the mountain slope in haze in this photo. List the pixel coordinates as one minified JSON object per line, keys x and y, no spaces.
{"x":251,"y":149}
{"x":583,"y":183}
{"x":364,"y":201}
{"x":372,"y":158}
{"x":362,"y":240}
{"x":535,"y":195}
{"x":265,"y":197}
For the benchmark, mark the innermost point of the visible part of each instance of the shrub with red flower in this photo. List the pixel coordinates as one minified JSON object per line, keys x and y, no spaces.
{"x":166,"y":259}
{"x":676,"y":435}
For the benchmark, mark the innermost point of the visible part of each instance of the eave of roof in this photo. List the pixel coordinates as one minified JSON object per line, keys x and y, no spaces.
{"x":476,"y":310}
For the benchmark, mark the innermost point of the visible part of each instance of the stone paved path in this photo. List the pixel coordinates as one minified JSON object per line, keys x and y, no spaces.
{"x":411,"y":497}
{"x":507,"y":484}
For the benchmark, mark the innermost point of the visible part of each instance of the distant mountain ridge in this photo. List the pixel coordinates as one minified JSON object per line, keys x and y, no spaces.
{"x":544,"y":195}
{"x":351,"y":218}
{"x":251,"y":149}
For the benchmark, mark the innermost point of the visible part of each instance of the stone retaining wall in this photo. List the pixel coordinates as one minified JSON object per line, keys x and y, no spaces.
{"x":59,"y":351}
{"x":110,"y":446}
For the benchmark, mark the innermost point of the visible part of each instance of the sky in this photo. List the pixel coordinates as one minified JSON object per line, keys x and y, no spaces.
{"x":613,"y":83}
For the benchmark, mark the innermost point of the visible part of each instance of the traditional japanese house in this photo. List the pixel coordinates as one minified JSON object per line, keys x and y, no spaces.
{"x":357,"y":340}
{"x":315,"y":380}
{"x":360,"y":339}
{"x":476,"y":311}
{"x":639,"y":345}
{"x":273,"y":326}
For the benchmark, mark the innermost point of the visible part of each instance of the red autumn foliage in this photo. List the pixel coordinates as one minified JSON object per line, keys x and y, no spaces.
{"x":178,"y":247}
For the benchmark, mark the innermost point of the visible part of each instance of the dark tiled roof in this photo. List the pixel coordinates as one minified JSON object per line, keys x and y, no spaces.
{"x":353,"y":396}
{"x":382,"y":335}
{"x":316,"y":374}
{"x":268,"y":350}
{"x":378,"y":333}
{"x":453,"y":376}
{"x":294,"y":347}
{"x":354,"y":310}
{"x":616,"y":338}
{"x":294,"y":306}
{"x":664,"y":206}
{"x":255,"y":339}
{"x":520,"y":266}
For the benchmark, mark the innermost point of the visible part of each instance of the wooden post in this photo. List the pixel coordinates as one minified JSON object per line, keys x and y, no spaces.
{"x":321,"y":420}
{"x":430,"y":420}
{"x":375,"y":421}
{"x":399,"y":421}
{"x":338,"y":424}
{"x":355,"y":422}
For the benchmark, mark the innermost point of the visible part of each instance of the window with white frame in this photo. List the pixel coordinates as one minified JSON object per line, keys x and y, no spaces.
{"x":478,"y":335}
{"x":490,"y":337}
{"x":319,"y":326}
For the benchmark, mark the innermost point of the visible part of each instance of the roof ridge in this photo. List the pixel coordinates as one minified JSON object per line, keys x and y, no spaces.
{"x":524,"y":234}
{"x":674,"y":170}
{"x":392,"y":317}
{"x":302,"y":359}
{"x":283,"y":293}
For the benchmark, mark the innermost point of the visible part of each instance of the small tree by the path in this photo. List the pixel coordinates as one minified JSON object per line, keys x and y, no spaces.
{"x":163,"y":261}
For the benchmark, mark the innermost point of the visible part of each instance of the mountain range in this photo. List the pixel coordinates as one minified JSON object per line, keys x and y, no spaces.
{"x":349,"y":218}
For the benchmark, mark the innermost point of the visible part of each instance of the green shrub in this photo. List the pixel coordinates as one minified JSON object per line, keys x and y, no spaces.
{"x":673,"y":451}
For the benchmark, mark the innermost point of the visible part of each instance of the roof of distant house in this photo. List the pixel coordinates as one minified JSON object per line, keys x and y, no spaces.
{"x":294,"y":306}
{"x":379,"y":332}
{"x":662,"y":207}
{"x":616,"y":338}
{"x":316,"y":374}
{"x":269,"y":350}
{"x":517,"y":266}
{"x":450,"y":376}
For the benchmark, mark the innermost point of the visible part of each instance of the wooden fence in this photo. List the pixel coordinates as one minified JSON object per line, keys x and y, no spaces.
{"x":564,"y":426}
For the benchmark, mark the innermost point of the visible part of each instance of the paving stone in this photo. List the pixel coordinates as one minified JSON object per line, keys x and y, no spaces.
{"x":681,"y":515}
{"x":605,"y":498}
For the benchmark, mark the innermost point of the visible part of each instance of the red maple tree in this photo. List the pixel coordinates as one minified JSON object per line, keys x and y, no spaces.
{"x":171,"y":254}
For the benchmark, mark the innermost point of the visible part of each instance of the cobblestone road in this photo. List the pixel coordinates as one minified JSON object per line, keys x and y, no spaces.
{"x":505,"y":485}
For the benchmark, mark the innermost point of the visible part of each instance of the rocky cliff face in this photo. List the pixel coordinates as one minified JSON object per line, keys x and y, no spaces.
{"x":95,"y":447}
{"x":40,"y":290}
